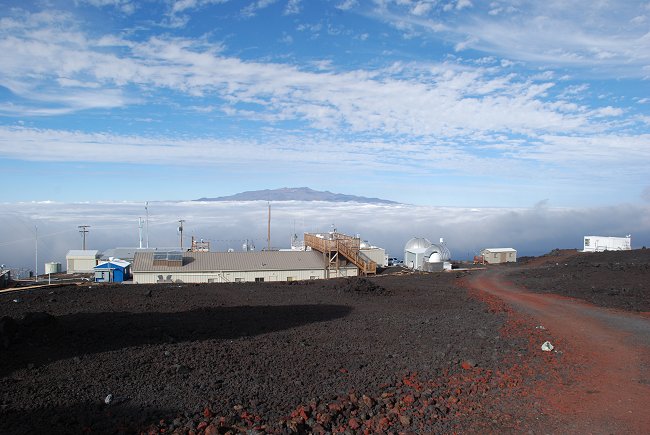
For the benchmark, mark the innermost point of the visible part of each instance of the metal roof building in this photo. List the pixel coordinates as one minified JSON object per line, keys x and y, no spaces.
{"x":114,"y":270}
{"x":257,"y":266}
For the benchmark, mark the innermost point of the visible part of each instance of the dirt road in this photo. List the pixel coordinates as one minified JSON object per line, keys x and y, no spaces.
{"x":605,"y":353}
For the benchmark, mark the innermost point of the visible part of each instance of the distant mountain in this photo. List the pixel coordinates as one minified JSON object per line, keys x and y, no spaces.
{"x":296,"y":194}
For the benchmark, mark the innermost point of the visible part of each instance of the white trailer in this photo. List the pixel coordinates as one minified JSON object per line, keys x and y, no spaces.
{"x":605,"y":243}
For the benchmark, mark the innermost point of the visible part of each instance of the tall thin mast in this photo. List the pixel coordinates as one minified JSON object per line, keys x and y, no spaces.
{"x":36,"y":260}
{"x":140,"y":231}
{"x":146,"y":222}
{"x":268,"y":230}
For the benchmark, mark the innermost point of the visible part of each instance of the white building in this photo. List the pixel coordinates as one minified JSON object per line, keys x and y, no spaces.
{"x":81,"y":261}
{"x":421,"y":254}
{"x":499,"y":255}
{"x":375,"y":253}
{"x":253,"y":266}
{"x":603,"y":243}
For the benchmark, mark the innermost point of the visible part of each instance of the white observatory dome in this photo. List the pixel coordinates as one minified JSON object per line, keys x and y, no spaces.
{"x":437,"y":253}
{"x":365,"y":245}
{"x":417,"y":243}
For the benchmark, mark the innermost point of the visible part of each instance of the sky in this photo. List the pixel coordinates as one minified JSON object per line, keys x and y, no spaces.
{"x":454,"y":103}
{"x":507,"y":123}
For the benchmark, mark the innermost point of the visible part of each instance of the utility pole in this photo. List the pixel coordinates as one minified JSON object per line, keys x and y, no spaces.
{"x":83,"y":229}
{"x":180,"y":228}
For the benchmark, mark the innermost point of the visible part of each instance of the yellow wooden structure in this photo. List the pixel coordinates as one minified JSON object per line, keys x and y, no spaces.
{"x":336,"y":245}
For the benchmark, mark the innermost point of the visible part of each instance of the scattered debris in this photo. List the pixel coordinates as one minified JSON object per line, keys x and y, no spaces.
{"x":547,"y":346}
{"x":108,"y":399}
{"x":540,"y":327}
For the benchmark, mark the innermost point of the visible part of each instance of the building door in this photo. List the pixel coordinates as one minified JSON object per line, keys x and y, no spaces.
{"x":503,"y":257}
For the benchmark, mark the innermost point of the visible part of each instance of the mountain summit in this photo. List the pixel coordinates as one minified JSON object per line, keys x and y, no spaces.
{"x":297,"y":194}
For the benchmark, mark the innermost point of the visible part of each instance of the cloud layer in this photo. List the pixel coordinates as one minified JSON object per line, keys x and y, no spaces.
{"x":532,"y":231}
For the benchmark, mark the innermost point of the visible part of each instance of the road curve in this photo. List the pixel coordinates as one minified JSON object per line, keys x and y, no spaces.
{"x":608,"y":387}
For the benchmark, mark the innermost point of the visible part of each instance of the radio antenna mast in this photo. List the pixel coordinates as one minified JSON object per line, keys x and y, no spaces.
{"x":36,"y":260}
{"x":140,"y":231}
{"x":268,"y":230}
{"x":146,"y":222}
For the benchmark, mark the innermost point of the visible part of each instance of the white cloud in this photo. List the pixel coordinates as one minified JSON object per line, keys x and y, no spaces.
{"x":293,"y":7}
{"x":461,"y":118}
{"x":346,"y":5}
{"x":601,"y":41}
{"x":421,"y":8}
{"x":126,"y":6}
{"x":255,"y":6}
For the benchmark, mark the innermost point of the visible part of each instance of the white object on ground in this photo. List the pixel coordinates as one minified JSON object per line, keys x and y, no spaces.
{"x":547,"y":346}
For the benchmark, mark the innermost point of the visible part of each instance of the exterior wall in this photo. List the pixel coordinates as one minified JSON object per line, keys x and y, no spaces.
{"x":81,"y":264}
{"x":413,"y":260}
{"x":378,"y":255}
{"x":152,"y":277}
{"x":600,"y":244}
{"x":499,"y":257}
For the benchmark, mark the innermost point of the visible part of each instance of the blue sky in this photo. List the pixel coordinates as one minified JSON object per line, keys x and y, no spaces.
{"x":450,"y":103}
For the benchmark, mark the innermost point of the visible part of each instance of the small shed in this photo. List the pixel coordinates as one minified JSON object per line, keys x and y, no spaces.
{"x":499,"y":255}
{"x":114,"y":270}
{"x":81,"y":261}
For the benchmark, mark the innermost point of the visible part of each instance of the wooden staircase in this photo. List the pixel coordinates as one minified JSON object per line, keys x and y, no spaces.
{"x":335,"y":244}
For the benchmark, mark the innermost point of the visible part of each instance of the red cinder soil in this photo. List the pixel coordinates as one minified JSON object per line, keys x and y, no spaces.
{"x":604,"y":371}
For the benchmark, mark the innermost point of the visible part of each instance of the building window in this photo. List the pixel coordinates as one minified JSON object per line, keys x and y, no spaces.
{"x":239,"y":279}
{"x":495,"y":255}
{"x":210,"y":280}
{"x":290,"y":278}
{"x":259,"y":279}
{"x":587,"y":241}
{"x":313,"y":277}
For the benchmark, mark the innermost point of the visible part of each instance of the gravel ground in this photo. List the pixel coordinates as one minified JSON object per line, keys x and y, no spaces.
{"x":613,"y":279}
{"x":415,"y":353}
{"x":242,"y":354}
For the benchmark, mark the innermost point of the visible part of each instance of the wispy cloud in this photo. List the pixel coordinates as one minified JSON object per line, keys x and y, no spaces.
{"x":608,"y":38}
{"x":126,"y":6}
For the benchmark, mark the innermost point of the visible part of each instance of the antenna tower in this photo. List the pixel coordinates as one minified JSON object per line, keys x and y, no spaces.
{"x":268,"y":231}
{"x":146,"y":222}
{"x":36,"y":260}
{"x":140,"y":231}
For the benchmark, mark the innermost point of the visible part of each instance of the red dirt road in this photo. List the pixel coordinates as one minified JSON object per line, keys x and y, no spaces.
{"x":605,"y":355}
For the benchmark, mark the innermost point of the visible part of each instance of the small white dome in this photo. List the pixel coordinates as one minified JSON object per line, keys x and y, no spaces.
{"x":365,"y":245}
{"x":437,"y":253}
